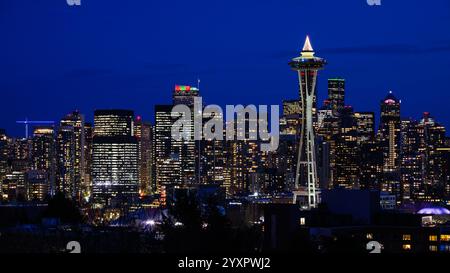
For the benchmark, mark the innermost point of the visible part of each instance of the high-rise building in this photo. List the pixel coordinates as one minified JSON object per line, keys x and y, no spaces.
{"x":115,"y":159}
{"x":328,"y":126}
{"x":389,"y":131}
{"x":290,"y":121}
{"x":347,"y":152}
{"x":389,"y":138}
{"x":186,"y":148}
{"x":432,"y":137}
{"x":213,"y":161}
{"x":371,"y":165}
{"x":285,"y":157}
{"x":3,"y":155}
{"x":307,"y":67}
{"x":37,"y":183}
{"x":411,"y":161}
{"x":175,"y":160}
{"x":365,"y":123}
{"x":111,"y":123}
{"x":336,"y":94}
{"x":167,"y":161}
{"x":185,"y":94}
{"x":71,"y":155}
{"x":44,"y":154}
{"x":86,"y":189}
{"x":143,"y":131}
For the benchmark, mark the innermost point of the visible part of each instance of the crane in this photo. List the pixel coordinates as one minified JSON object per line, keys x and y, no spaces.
{"x":28,"y":122}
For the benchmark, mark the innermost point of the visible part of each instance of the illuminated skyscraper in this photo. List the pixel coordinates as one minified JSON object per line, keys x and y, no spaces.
{"x":328,"y":126}
{"x":143,"y":131}
{"x":185,"y":149}
{"x":115,"y":158}
{"x":336,"y":94}
{"x":36,"y":181}
{"x":290,"y":121}
{"x":111,"y":123}
{"x":411,"y":160}
{"x":432,"y":140}
{"x":86,"y":189}
{"x":389,"y":138}
{"x":185,"y":94}
{"x":365,"y":126}
{"x":307,"y":67}
{"x":43,"y":154}
{"x":389,"y":131}
{"x":167,"y":161}
{"x":347,"y":152}
{"x":71,"y":155}
{"x":3,"y":155}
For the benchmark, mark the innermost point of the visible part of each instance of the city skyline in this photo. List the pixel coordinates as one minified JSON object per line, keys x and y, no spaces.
{"x":216,"y":127}
{"x":138,"y":74}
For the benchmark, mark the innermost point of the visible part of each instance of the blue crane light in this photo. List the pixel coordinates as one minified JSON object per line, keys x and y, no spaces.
{"x":28,"y":122}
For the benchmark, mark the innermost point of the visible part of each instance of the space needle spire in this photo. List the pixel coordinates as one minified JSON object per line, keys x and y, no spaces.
{"x":306,"y":179}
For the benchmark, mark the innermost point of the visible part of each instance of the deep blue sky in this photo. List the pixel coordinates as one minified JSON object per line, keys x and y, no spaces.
{"x":130,"y":53}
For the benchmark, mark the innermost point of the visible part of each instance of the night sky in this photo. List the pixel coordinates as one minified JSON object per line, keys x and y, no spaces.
{"x":130,"y":53}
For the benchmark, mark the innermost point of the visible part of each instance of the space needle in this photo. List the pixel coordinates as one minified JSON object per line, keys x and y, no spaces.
{"x":307,"y":67}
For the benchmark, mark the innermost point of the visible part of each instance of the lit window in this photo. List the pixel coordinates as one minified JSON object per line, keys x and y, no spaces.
{"x":433,"y":238}
{"x":445,"y":237}
{"x":369,"y":236}
{"x":433,"y":248}
{"x":406,"y":237}
{"x":302,"y":221}
{"x":445,"y":248}
{"x":407,"y":247}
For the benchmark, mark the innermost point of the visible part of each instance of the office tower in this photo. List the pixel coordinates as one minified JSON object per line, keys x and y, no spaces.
{"x":3,"y":155}
{"x":389,"y":137}
{"x":21,"y":149}
{"x":213,"y":160}
{"x":143,"y":131}
{"x":336,"y":94}
{"x":12,"y":180}
{"x":285,"y":157}
{"x":65,"y":181}
{"x":323,"y":163}
{"x":175,"y":160}
{"x":167,"y":163}
{"x":267,"y":181}
{"x":186,"y":148}
{"x":371,"y":165}
{"x":86,"y":187}
{"x":389,"y":131}
{"x":115,"y":173}
{"x":14,"y":187}
{"x":365,"y":126}
{"x":347,"y":152}
{"x":37,"y":183}
{"x":43,"y":154}
{"x":290,"y":121}
{"x":71,"y":155}
{"x":307,"y":67}
{"x":184,"y":94}
{"x":329,"y":123}
{"x":245,"y":155}
{"x":111,"y":123}
{"x":432,"y":138}
{"x":445,"y":152}
{"x":411,"y":161}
